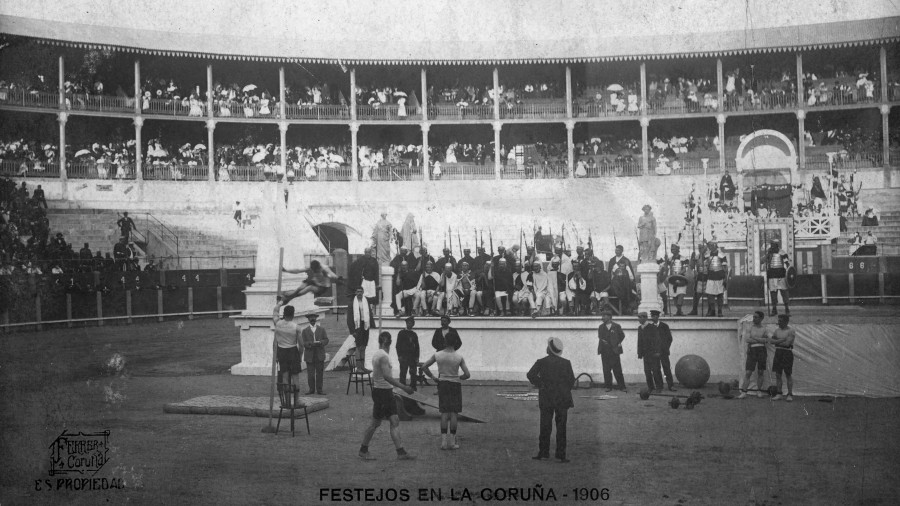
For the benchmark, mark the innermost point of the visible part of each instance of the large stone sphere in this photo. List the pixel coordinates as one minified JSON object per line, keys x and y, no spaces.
{"x":692,"y":371}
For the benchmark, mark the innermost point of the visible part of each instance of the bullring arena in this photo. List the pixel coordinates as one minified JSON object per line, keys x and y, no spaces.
{"x":538,"y":178}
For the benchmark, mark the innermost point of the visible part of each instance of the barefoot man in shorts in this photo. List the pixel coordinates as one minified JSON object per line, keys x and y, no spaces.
{"x":757,"y":338}
{"x":318,"y":280}
{"x":783,"y":339}
{"x":449,"y":388}
{"x":383,"y":398}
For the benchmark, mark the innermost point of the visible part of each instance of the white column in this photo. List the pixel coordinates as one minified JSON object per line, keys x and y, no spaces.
{"x":139,"y":148}
{"x":645,"y":145}
{"x":570,"y":148}
{"x":801,"y":140}
{"x":643,"y":97}
{"x":801,"y":93}
{"x":886,"y":142}
{"x":62,"y":118}
{"x":62,"y":86}
{"x":498,"y":163}
{"x":210,"y":149}
{"x":387,"y":288}
{"x":282,"y":129}
{"x":720,"y":119}
{"x":720,"y":84}
{"x":426,"y":127}
{"x":424,"y":100}
{"x":137,"y":86}
{"x":354,"y":147}
{"x":352,"y":95}
{"x":568,"y":91}
{"x":282,"y":94}
{"x":497,"y":96}
{"x":210,"y":111}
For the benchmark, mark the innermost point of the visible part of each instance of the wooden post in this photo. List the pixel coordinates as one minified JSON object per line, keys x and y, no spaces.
{"x":69,"y":310}
{"x":852,"y":288}
{"x":159,"y":305}
{"x":219,"y":300}
{"x":824,"y":289}
{"x":190,"y":303}
{"x":37,"y":311}
{"x":99,"y":309}
{"x":128,"y":306}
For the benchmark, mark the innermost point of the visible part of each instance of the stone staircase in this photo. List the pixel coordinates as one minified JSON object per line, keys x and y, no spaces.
{"x":886,"y":202}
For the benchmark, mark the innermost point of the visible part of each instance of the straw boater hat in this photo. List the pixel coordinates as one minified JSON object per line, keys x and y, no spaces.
{"x":555,"y":346}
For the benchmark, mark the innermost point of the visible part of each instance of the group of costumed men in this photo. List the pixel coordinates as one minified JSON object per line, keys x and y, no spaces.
{"x":509,"y":283}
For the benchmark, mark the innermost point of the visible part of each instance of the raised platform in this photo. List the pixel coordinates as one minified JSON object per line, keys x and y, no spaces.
{"x":505,"y":348}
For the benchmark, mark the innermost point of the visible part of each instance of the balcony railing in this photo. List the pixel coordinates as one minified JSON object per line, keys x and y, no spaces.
{"x":252,"y":110}
{"x":93,"y":170}
{"x":843,"y":160}
{"x":317,"y":112}
{"x":99,"y":103}
{"x":464,"y":171}
{"x":548,"y":170}
{"x":29,"y":168}
{"x":24,"y":98}
{"x":453,"y":112}
{"x":762,"y":102}
{"x":175,"y":172}
{"x":532,"y":110}
{"x":613,"y":169}
{"x":166,"y":107}
{"x":388,"y":112}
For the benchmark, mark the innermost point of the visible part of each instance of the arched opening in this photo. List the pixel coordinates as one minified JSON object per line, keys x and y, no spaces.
{"x":333,"y":236}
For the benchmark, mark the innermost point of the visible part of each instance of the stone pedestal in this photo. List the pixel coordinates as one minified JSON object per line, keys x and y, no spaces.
{"x":649,"y":293}
{"x":255,"y":322}
{"x":387,"y":290}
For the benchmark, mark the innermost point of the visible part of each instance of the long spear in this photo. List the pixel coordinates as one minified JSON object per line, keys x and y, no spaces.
{"x":459,"y":240}
{"x":450,"y":233}
{"x":491,"y":238}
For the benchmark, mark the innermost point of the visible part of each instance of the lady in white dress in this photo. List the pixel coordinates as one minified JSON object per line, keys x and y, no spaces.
{"x":223,"y":174}
{"x":195,"y":106}
{"x":632,"y":102}
{"x":580,"y":169}
{"x":450,"y":155}
{"x":264,"y":105}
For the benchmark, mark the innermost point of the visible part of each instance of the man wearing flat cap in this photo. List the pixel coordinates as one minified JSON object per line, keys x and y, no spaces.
{"x":554,"y":378}
{"x":314,"y":339}
{"x":648,"y":351}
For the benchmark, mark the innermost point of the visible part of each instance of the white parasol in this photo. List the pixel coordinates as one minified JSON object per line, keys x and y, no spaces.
{"x":258,"y":157}
{"x":614,"y":87}
{"x":400,"y":94}
{"x":249,"y":87}
{"x":199,"y":146}
{"x":82,"y":152}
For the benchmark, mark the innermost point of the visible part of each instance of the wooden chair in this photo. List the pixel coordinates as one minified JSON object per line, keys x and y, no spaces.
{"x":286,"y":393}
{"x":356,"y":376}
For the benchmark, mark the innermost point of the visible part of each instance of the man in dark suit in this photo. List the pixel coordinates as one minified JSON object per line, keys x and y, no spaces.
{"x":439,"y":338}
{"x":609,"y":349}
{"x":665,"y":342}
{"x":359,"y":321}
{"x":554,"y":378}
{"x":314,"y":340}
{"x":648,"y":351}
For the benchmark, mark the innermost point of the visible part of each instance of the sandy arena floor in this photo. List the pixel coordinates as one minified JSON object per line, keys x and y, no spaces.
{"x":626,"y":450}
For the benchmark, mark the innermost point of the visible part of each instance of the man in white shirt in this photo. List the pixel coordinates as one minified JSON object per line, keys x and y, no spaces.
{"x":288,"y":352}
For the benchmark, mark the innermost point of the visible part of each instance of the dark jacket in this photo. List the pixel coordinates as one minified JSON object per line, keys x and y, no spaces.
{"x":648,"y":341}
{"x":314,"y":351}
{"x":438,"y":342}
{"x":554,"y":378}
{"x":350,"y":318}
{"x":610,"y":340}
{"x":408,"y":345}
{"x":665,"y":338}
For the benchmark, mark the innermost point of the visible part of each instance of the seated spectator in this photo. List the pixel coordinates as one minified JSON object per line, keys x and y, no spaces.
{"x":869,"y":219}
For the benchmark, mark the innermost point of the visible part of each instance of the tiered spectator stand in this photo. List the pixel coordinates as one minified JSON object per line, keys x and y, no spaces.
{"x":570,"y":112}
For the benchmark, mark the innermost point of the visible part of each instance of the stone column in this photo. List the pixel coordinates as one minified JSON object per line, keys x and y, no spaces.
{"x":282,"y":129}
{"x":720,"y":84}
{"x":62,"y":118}
{"x":645,"y":145}
{"x":353,"y":100}
{"x":139,"y":149}
{"x":886,"y":141}
{"x":137,"y":86}
{"x":62,"y":85}
{"x":643,"y":96}
{"x":801,"y":94}
{"x":210,"y":112}
{"x":570,"y":148}
{"x":425,"y":158}
{"x":568,"y":92}
{"x":387,"y":289}
{"x":498,"y":163}
{"x":497,"y":96}
{"x":210,"y":150}
{"x":354,"y":147}
{"x":424,"y":100}
{"x":720,"y":119}
{"x":647,"y":271}
{"x":801,"y":139}
{"x":282,"y":106}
